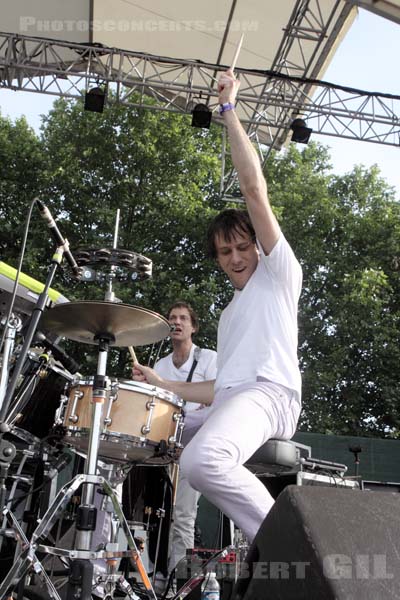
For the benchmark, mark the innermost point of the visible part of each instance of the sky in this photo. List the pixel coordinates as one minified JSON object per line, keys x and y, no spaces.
{"x":366,"y":59}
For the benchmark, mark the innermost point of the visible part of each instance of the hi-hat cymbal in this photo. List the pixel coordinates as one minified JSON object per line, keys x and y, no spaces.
{"x":125,"y":324}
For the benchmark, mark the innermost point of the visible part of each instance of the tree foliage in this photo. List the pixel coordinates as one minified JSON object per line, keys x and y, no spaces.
{"x":162,"y":174}
{"x":164,"y":177}
{"x":21,"y":176}
{"x":345,"y":230}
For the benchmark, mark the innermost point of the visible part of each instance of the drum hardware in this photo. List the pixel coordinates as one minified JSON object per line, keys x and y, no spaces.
{"x":58,"y":416}
{"x":86,"y":514}
{"x":13,"y":325}
{"x":33,"y":323}
{"x":113,"y":395}
{"x":27,"y":558}
{"x":160,"y":514}
{"x":104,"y":324}
{"x":150,"y":406}
{"x":27,"y":479}
{"x":7,"y":454}
{"x":73,"y":417}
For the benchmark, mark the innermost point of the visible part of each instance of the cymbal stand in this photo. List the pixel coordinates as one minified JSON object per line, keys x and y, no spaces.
{"x":87,"y":510}
{"x":80,"y":583}
{"x":110,"y":295}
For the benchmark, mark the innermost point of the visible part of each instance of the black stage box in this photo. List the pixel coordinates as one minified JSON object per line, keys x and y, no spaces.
{"x":322,"y":543}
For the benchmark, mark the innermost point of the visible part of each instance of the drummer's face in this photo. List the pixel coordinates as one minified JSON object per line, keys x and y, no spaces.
{"x":184,"y":329}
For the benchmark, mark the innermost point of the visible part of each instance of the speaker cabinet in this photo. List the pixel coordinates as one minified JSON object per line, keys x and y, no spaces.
{"x":322,"y":543}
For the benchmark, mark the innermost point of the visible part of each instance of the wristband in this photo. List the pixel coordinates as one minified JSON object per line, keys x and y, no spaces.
{"x":225,"y":107}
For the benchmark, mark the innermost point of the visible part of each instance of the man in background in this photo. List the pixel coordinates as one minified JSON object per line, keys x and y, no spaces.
{"x":186,"y":362}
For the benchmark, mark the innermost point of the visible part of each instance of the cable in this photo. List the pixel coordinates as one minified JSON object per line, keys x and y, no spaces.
{"x":14,"y":293}
{"x":318,"y":82}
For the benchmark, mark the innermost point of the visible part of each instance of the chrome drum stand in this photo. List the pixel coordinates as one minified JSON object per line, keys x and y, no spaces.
{"x":81,"y":578}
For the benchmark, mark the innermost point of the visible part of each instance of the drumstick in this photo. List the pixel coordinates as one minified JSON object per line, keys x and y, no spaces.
{"x":132,"y":353}
{"x":236,"y":56}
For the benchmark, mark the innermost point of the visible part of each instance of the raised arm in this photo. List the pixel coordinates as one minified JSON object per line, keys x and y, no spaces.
{"x":247,"y":164}
{"x":201,"y":392}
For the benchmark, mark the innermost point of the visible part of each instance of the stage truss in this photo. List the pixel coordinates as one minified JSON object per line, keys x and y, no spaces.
{"x":268,"y":100}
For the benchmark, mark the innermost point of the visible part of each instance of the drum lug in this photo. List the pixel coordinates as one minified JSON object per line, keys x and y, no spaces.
{"x":150,"y":406}
{"x":176,"y":437}
{"x":73,"y":417}
{"x":113,"y":396}
{"x":58,"y":417}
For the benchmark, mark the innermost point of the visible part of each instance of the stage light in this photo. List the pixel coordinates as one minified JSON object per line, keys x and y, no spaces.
{"x":94,"y":99}
{"x":201,"y":116}
{"x":301,"y":133}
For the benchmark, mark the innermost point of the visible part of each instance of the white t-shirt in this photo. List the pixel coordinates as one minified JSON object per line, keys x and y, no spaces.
{"x":206,"y":369}
{"x":257,"y":332}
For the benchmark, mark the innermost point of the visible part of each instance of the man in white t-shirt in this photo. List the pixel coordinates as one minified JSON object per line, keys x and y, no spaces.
{"x":257,"y":392}
{"x":186,"y":362}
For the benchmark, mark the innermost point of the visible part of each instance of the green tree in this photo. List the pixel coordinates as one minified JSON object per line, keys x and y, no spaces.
{"x":164,"y":177}
{"x":21,"y":172}
{"x":345,"y":230}
{"x":162,"y":174}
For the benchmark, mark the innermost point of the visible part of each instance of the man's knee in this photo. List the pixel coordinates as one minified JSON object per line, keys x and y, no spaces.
{"x":204,"y":465}
{"x":186,"y":465}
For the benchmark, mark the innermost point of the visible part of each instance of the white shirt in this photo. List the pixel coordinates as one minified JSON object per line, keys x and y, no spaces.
{"x":257,"y":332}
{"x":206,"y":369}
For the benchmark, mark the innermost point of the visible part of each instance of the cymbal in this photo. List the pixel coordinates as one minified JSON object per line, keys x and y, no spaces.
{"x":85,"y":321}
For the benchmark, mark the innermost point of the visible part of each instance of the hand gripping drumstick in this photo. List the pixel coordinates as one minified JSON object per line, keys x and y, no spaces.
{"x":236,"y":56}
{"x":132,"y":353}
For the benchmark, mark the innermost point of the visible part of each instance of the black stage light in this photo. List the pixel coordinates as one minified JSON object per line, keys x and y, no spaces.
{"x":201,"y":116}
{"x":94,"y":99}
{"x":301,"y":133}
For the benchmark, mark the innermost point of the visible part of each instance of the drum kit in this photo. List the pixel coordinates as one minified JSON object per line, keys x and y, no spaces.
{"x":48,"y":415}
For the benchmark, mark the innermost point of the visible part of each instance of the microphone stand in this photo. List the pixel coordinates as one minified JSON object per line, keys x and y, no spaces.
{"x":33,"y":323}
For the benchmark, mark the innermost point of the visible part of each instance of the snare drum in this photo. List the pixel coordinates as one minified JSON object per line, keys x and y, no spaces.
{"x":136,"y":418}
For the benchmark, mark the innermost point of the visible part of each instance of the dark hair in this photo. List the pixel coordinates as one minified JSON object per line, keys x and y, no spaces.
{"x":225,"y":224}
{"x":193,"y":317}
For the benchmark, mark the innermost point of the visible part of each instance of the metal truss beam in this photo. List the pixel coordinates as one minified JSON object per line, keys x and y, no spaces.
{"x":268,"y":101}
{"x":266,"y":98}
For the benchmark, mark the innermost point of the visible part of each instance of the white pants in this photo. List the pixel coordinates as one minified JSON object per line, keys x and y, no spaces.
{"x":240,"y":420}
{"x":184,"y":521}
